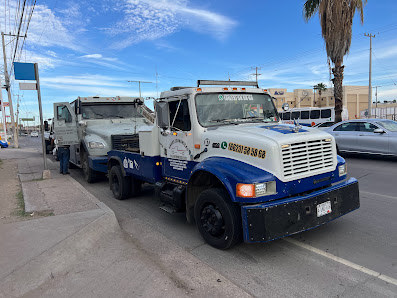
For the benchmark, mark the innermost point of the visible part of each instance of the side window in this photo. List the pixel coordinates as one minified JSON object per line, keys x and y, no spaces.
{"x":182,"y":118}
{"x":304,"y":114}
{"x":326,"y":113}
{"x":315,"y":114}
{"x":295,"y":115}
{"x":367,"y":127}
{"x":64,"y":114}
{"x":286,"y":116}
{"x":346,"y":127}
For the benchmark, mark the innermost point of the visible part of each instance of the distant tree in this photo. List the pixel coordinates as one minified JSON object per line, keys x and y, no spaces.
{"x":320,"y":87}
{"x":394,"y":101}
{"x":336,"y":19}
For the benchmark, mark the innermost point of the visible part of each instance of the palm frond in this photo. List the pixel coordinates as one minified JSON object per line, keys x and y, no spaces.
{"x":310,"y":8}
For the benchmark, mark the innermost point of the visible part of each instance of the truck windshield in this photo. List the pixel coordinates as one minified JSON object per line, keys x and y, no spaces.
{"x":216,"y":108}
{"x":106,"y":111}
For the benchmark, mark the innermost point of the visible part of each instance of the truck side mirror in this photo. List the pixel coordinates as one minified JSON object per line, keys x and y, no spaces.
{"x":162,"y":114}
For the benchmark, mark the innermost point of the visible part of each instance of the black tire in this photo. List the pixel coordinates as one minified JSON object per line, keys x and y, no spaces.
{"x":218,"y":219}
{"x":89,"y":174}
{"x":119,"y":184}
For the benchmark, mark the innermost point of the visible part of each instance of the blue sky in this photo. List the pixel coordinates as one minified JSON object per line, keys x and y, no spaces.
{"x":93,"y":47}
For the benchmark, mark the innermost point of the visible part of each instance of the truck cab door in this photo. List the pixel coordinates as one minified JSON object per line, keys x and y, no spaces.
{"x":177,"y":142}
{"x":65,"y":126}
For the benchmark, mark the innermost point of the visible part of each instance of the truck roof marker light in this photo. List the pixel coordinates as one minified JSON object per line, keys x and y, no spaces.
{"x":225,"y":89}
{"x":245,"y":190}
{"x":285,"y":146}
{"x":234,"y":89}
{"x":243,"y":89}
{"x":264,"y":90}
{"x":197,"y":146}
{"x":198,"y":89}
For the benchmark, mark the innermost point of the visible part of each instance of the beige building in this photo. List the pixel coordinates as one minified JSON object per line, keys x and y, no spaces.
{"x":355,"y":98}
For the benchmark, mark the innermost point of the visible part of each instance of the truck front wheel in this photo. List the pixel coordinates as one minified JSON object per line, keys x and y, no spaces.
{"x":118,"y":183}
{"x":218,"y":219}
{"x":89,"y":174}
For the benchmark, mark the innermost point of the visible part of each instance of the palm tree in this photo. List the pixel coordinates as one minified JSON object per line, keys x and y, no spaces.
{"x":320,"y":87}
{"x":336,"y":19}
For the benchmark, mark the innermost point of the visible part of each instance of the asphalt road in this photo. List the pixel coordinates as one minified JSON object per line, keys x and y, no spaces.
{"x":353,"y":256}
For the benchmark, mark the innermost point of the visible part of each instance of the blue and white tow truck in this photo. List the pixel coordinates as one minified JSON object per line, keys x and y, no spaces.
{"x":222,"y":155}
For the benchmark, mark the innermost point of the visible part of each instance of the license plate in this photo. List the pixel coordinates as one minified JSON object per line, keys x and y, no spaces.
{"x":324,"y":208}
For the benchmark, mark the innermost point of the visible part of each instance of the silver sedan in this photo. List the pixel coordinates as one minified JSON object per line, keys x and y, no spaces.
{"x":367,"y":136}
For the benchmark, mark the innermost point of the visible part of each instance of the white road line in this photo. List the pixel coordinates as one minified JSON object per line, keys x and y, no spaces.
{"x":376,"y":194}
{"x":343,"y":261}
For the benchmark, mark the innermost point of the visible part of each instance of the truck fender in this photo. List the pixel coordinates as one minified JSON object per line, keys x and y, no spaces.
{"x":116,"y":160}
{"x":226,"y":172}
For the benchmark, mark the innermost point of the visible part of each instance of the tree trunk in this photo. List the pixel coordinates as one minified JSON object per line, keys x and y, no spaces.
{"x":338,"y":90}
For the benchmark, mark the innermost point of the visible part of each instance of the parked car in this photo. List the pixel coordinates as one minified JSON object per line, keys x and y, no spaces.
{"x":366,"y":136}
{"x":324,"y":125}
{"x":3,"y":144}
{"x":34,"y":134}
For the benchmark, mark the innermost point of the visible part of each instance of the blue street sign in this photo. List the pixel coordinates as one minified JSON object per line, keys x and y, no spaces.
{"x":24,"y":71}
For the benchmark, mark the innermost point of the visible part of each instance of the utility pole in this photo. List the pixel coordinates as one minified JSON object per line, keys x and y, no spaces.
{"x":370,"y":73}
{"x":17,"y":130}
{"x":3,"y":113}
{"x":376,"y":98}
{"x":256,"y":74}
{"x":314,"y":96}
{"x":8,"y":88}
{"x":140,"y":85}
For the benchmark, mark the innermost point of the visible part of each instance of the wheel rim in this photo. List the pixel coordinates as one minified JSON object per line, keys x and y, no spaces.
{"x":115,"y":184}
{"x":212,"y":221}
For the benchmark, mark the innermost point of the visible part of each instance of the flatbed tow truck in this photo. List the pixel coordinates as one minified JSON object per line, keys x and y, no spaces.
{"x":222,"y":155}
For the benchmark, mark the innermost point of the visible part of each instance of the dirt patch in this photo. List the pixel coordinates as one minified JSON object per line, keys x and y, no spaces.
{"x":10,"y":190}
{"x":12,"y":205}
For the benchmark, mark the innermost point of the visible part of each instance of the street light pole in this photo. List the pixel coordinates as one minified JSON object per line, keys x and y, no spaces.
{"x":370,"y":73}
{"x":139,"y":82}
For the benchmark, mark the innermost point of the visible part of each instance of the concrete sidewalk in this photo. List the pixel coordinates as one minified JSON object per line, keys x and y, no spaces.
{"x":81,"y":251}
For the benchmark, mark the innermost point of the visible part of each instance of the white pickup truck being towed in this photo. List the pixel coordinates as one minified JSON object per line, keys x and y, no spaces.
{"x":222,"y":155}
{"x":92,"y":126}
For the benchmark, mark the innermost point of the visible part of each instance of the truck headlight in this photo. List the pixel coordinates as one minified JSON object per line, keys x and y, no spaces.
{"x":256,"y":190}
{"x":96,"y":145}
{"x":342,"y":170}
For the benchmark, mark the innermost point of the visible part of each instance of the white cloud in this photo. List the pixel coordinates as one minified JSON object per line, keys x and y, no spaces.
{"x":45,"y":62}
{"x":150,"y":20}
{"x":99,"y":57}
{"x":84,"y":80}
{"x":45,"y":28}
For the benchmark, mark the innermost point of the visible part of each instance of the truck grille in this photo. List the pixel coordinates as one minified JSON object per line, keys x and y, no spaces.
{"x":126,"y":142}
{"x":306,"y":157}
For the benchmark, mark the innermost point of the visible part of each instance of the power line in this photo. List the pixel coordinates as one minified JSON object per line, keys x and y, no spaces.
{"x":19,"y":29}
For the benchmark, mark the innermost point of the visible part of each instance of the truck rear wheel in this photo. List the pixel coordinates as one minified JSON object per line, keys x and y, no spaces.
{"x":119,"y":184}
{"x":218,"y":219}
{"x":89,"y":174}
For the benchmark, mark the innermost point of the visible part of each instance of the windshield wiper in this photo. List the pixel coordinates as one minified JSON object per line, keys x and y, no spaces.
{"x":253,"y":118}
{"x":225,"y":121}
